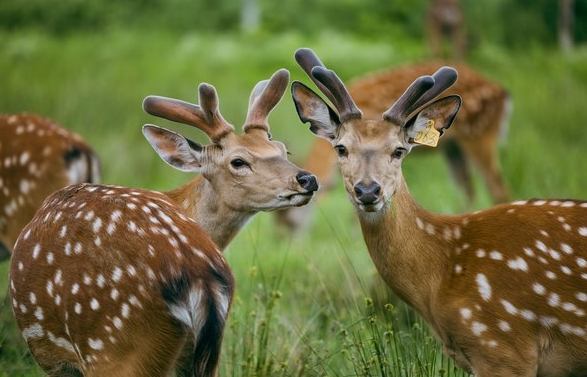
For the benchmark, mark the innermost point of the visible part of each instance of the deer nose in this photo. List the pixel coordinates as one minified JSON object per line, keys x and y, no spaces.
{"x":367,"y":193}
{"x":307,"y":180}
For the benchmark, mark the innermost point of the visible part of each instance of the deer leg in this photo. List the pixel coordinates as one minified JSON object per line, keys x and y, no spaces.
{"x":484,"y":155}
{"x":459,"y":169}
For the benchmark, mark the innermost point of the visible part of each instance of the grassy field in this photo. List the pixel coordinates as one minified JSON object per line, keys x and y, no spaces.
{"x":304,"y":306}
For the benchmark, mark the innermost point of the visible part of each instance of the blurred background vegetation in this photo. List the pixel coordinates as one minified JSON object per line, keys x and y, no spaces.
{"x":512,"y":23}
{"x":304,"y":304}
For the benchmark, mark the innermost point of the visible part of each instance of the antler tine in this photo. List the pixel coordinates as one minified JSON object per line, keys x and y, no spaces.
{"x":307,"y":59}
{"x":205,"y":117}
{"x":344,"y":103}
{"x":444,"y":78}
{"x":328,"y":83}
{"x":264,"y":97}
{"x":404,"y":106}
{"x":422,"y":91}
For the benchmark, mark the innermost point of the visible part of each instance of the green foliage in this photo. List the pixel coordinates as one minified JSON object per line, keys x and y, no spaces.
{"x":514,"y":23}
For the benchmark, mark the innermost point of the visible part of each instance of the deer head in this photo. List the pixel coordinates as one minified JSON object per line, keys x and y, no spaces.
{"x":249,"y":172}
{"x":370,"y":152}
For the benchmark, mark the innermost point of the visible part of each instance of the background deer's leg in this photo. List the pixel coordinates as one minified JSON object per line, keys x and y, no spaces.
{"x":484,"y":155}
{"x":459,"y":169}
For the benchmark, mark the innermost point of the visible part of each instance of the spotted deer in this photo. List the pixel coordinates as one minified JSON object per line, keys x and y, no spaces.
{"x":474,"y":136}
{"x":115,"y":281}
{"x":37,"y":157}
{"x":504,"y":289}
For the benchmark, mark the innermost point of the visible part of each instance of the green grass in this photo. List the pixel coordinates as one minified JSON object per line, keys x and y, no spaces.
{"x":304,"y":306}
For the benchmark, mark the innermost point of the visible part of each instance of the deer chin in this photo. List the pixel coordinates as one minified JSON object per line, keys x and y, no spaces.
{"x":381,"y":205}
{"x":297,"y":199}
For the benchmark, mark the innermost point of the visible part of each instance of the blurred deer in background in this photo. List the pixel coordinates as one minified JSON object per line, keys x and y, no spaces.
{"x":114,"y":281}
{"x":480,"y":125}
{"x":445,"y":23}
{"x":37,"y":157}
{"x":504,"y":289}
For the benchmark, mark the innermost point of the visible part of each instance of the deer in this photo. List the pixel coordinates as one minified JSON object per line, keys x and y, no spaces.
{"x":474,"y":138}
{"x":505,"y":288}
{"x":37,"y":157}
{"x":445,"y":20}
{"x":116,"y":281}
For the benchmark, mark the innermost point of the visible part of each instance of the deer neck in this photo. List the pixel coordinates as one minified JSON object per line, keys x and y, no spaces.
{"x":200,"y":202}
{"x":405,"y":246}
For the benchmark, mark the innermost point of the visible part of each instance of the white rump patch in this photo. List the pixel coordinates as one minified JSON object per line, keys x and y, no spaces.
{"x":190,"y":312}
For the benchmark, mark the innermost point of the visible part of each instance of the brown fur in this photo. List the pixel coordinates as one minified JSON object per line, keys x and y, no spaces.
{"x":37,"y":157}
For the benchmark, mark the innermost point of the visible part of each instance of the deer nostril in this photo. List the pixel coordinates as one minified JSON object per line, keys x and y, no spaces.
{"x":367,"y":194}
{"x":307,"y":181}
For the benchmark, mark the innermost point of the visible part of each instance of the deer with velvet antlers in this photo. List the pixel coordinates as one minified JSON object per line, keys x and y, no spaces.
{"x":473,"y":140}
{"x":114,"y":281}
{"x":37,"y":157}
{"x":504,"y":289}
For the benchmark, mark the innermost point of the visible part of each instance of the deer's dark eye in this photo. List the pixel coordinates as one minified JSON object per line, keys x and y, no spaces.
{"x":238,"y":163}
{"x":341,"y":150}
{"x":398,"y":153}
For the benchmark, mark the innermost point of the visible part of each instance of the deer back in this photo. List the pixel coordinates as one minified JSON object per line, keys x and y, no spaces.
{"x":105,"y":265}
{"x":37,"y":157}
{"x":483,"y":111}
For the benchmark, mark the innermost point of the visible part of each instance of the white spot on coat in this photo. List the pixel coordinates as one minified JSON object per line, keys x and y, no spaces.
{"x":518,"y":264}
{"x":478,"y":328}
{"x":484,"y":287}
{"x":96,"y":344}
{"x":504,"y":326}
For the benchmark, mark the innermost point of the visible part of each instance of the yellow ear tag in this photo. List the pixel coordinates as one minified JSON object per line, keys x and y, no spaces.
{"x":428,"y":136}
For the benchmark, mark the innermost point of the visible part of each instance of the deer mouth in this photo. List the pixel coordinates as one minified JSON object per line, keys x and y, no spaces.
{"x":370,"y":207}
{"x":299,"y":198}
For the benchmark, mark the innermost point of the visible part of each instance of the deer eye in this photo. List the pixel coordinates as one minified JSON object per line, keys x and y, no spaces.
{"x":398,"y":153}
{"x":341,"y":150}
{"x":238,"y":163}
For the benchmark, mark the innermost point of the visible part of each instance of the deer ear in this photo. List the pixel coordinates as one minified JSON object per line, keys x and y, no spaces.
{"x":311,"y":108}
{"x":429,"y":123}
{"x":179,"y":152}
